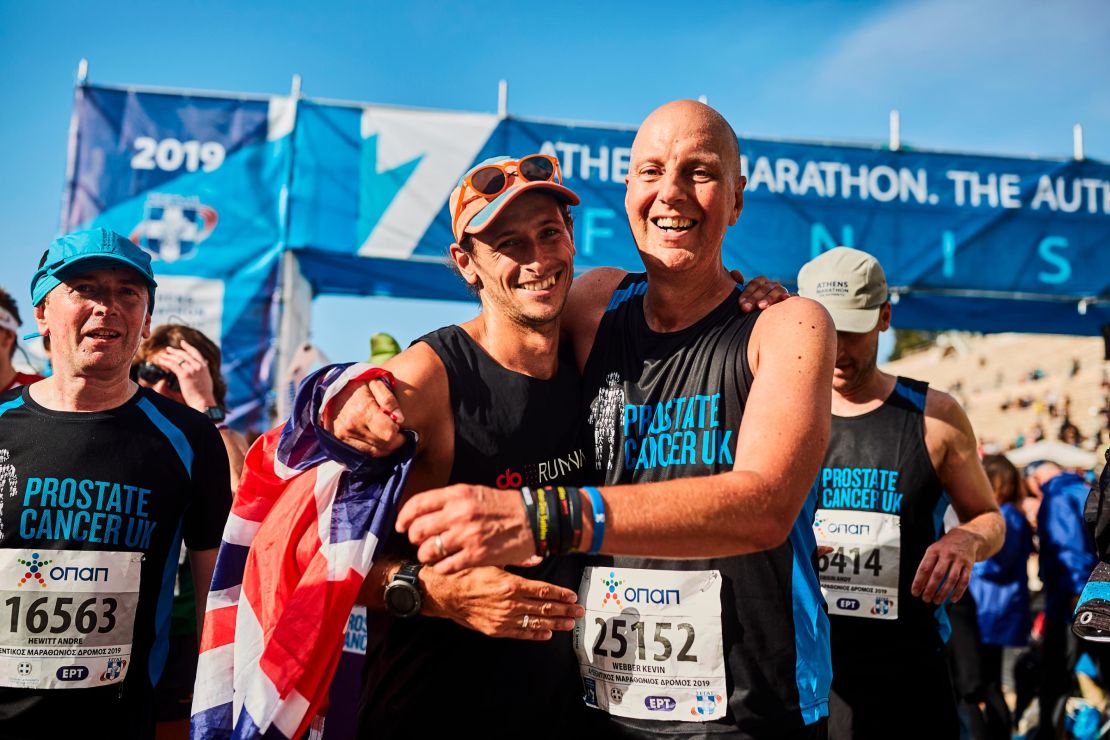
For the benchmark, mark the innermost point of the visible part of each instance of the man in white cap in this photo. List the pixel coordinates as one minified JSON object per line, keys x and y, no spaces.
{"x":900,"y":453}
{"x":103,"y":482}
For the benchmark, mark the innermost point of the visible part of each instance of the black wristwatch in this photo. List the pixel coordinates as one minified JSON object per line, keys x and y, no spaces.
{"x":215,"y":413}
{"x":402,"y":595}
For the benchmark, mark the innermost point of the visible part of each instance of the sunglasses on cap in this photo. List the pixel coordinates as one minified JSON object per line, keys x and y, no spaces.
{"x":151,"y":374}
{"x":490,"y":180}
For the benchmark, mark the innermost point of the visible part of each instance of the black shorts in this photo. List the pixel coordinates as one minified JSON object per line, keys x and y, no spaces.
{"x":904,"y":695}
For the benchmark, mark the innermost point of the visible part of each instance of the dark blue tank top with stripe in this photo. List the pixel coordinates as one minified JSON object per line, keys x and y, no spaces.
{"x":663,"y":406}
{"x":891,"y":441}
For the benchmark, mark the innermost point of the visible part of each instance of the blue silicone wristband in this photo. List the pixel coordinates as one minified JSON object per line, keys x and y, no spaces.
{"x":598,"y":505}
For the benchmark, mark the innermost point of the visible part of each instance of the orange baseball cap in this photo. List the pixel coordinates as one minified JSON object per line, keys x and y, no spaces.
{"x":477,"y":211}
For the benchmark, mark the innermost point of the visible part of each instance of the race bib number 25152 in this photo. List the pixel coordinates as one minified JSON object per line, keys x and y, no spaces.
{"x":650,"y":645}
{"x":67,"y":617}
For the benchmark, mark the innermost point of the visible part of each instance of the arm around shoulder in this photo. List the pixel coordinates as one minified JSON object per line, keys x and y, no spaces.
{"x":369,"y":416}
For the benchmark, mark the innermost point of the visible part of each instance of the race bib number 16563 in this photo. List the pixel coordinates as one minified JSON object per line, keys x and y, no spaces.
{"x":66,"y":617}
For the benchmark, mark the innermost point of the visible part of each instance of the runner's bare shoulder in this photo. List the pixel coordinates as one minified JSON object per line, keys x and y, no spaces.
{"x":421,"y":387}
{"x":796,"y":324}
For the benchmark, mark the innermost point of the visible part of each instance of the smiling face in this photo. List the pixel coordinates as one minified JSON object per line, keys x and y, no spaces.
{"x":523,"y":262}
{"x":684,"y":186}
{"x":95,"y":321}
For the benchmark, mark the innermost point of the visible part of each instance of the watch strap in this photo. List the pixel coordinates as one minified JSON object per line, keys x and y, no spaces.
{"x":409,"y":573}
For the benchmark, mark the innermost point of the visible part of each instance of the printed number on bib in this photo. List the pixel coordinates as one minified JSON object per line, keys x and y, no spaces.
{"x":67,"y":617}
{"x":859,"y":578}
{"x":650,"y":645}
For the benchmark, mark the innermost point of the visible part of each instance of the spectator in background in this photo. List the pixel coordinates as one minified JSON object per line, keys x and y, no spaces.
{"x":1001,"y":590}
{"x":9,"y":334}
{"x":1067,"y":556}
{"x":183,"y":365}
{"x":1069,"y":433}
{"x":382,"y":347}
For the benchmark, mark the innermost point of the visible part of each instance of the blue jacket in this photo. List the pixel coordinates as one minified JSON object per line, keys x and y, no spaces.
{"x":1067,"y":550}
{"x":1000,"y":585}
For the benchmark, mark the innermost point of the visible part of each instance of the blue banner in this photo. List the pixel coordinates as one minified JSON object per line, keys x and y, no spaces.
{"x":217,"y":188}
{"x":196,"y":182}
{"x":1023,"y":240}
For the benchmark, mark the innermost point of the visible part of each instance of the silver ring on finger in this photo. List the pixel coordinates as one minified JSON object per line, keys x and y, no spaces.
{"x":440,"y":549}
{"x":524,"y":622}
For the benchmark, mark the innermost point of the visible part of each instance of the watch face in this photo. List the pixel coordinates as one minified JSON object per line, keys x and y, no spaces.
{"x":401,"y":599}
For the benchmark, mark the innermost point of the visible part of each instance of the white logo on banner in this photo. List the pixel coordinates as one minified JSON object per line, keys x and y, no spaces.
{"x":446,"y":145}
{"x":173,"y":226}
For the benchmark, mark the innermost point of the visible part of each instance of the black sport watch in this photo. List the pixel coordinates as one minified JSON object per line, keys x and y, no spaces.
{"x":402,"y":595}
{"x":215,"y":413}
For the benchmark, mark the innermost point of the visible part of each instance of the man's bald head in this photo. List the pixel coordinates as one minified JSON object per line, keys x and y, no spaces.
{"x":685,"y":115}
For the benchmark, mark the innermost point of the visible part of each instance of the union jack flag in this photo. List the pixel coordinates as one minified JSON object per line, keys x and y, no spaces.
{"x":302,"y":534}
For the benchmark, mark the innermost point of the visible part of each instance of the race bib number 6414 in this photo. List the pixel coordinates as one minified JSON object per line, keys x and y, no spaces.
{"x":66,"y":617}
{"x":650,"y":645}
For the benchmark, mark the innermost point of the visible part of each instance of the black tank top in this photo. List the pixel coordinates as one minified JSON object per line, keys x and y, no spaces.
{"x":669,"y":405}
{"x":430,"y":677}
{"x":878,"y":468}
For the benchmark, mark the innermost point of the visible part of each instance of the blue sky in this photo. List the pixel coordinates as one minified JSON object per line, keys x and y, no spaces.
{"x":998,"y":76}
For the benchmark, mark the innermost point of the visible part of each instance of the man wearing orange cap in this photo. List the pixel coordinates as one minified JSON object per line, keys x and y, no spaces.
{"x":493,"y":394}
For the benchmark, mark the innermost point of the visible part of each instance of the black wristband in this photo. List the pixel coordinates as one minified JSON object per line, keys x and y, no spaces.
{"x":574,"y":499}
{"x":566,"y":530}
{"x":543,"y":518}
{"x":549,"y":521}
{"x":560,"y":511}
{"x":531,"y":510}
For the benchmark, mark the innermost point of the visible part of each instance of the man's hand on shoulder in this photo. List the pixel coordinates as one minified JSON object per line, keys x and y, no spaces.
{"x":759,"y":292}
{"x":495,"y":602}
{"x":795,"y":336}
{"x":368,"y":416}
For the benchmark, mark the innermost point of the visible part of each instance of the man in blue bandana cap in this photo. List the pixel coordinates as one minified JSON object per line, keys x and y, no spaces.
{"x":105,"y":480}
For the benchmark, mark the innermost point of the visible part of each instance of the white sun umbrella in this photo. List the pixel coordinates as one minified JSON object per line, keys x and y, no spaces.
{"x":1064,"y":455}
